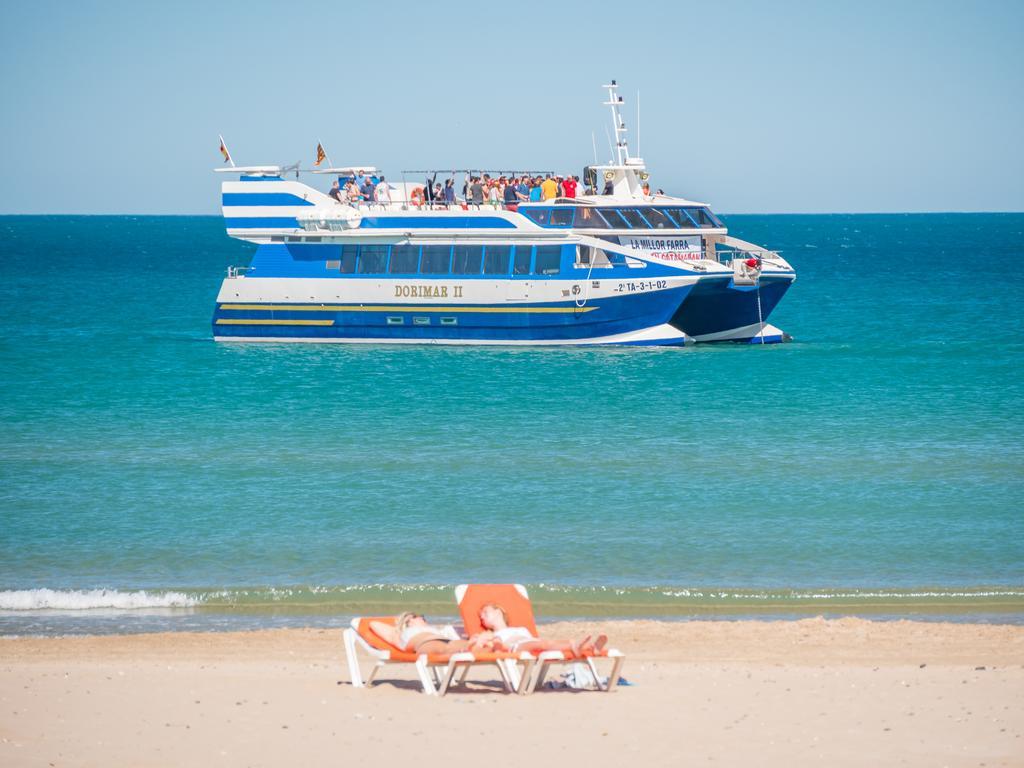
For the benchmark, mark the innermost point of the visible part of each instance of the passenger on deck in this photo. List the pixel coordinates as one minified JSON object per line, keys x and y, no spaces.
{"x":367,"y":190}
{"x":522,"y":190}
{"x":382,"y":194}
{"x":449,"y":191}
{"x":428,"y":189}
{"x":476,"y":191}
{"x":335,"y":191}
{"x":535,"y":190}
{"x":549,"y":189}
{"x":609,"y":187}
{"x":352,"y":191}
{"x":509,"y":195}
{"x":569,"y":187}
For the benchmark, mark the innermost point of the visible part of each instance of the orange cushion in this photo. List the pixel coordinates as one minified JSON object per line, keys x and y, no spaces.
{"x":517,"y":607}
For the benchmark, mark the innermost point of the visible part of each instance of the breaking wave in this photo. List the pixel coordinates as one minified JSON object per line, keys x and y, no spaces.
{"x":86,"y":599}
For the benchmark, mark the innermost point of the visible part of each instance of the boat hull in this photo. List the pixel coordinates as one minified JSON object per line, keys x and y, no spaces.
{"x":631,"y":319}
{"x":718,"y":310}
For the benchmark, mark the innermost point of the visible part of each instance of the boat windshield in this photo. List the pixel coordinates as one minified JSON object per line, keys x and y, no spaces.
{"x":639,"y":217}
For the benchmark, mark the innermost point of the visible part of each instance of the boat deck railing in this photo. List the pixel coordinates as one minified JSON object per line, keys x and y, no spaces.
{"x":412,"y":205}
{"x":725,"y":254}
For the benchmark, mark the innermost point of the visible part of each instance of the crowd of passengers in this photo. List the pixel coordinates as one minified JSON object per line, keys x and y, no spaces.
{"x":479,"y":191}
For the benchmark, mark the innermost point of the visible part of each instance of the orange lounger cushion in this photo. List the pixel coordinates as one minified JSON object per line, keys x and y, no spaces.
{"x":517,"y":606}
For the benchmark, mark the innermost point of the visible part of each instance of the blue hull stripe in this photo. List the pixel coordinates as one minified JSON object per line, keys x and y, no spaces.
{"x":261,"y":222}
{"x":261,"y":198}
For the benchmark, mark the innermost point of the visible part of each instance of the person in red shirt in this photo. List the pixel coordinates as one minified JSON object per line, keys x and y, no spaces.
{"x":569,"y":187}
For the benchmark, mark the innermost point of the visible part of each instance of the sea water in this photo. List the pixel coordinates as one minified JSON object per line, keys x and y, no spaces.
{"x":152,"y":478}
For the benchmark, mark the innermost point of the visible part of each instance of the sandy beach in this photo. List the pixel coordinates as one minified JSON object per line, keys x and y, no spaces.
{"x":846,"y":692}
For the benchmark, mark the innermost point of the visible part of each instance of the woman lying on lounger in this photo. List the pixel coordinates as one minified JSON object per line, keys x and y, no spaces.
{"x":517,"y":639}
{"x":412,"y":632}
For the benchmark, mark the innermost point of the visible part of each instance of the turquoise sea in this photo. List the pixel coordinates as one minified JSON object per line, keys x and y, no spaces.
{"x":152,"y":479}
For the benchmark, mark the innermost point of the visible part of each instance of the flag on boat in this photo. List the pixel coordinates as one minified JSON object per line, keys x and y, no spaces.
{"x":320,"y":153}
{"x":224,"y":150}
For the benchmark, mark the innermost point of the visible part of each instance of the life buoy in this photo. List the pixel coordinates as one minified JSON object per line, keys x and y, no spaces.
{"x":417,"y":196}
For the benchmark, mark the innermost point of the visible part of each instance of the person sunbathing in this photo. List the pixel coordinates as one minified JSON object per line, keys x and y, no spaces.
{"x":517,"y":639}
{"x":412,"y":632}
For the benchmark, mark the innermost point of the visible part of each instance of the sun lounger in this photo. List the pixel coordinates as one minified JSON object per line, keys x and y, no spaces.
{"x":516,"y":602}
{"x":436,"y":670}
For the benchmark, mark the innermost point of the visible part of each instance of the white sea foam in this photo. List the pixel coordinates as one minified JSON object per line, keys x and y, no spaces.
{"x":85,"y":599}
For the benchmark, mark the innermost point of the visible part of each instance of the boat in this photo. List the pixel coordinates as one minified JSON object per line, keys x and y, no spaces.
{"x":614,"y":265}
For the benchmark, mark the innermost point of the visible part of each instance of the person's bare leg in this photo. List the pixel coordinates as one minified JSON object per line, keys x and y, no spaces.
{"x":442,"y":646}
{"x":541,"y":644}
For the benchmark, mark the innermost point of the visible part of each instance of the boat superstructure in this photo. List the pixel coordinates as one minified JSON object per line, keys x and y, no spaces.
{"x":622,"y":267}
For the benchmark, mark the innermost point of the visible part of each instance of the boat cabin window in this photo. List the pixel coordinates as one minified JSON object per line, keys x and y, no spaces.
{"x":496,"y":259}
{"x":548,"y":260}
{"x":562,"y":217}
{"x":680,"y":217}
{"x":436,"y":259}
{"x":467,"y":259}
{"x":703,"y":217}
{"x":404,"y":259}
{"x":521,"y":260}
{"x":537,"y":215}
{"x":614,"y":219}
{"x":348,"y":259}
{"x":632,"y":215}
{"x":585,"y":254}
{"x":589,"y":218}
{"x":658,"y":219}
{"x":372,"y":259}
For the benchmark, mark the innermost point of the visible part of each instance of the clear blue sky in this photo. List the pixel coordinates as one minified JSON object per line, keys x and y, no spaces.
{"x":773,"y":106}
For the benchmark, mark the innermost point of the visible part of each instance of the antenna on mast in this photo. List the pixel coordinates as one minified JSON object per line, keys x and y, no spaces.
{"x":638,"y":124}
{"x":593,"y":140}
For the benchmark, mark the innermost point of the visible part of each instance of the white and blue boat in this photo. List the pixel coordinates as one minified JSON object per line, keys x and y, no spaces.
{"x":623,"y":267}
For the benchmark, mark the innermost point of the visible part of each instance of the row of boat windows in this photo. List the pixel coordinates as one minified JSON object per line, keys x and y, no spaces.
{"x":449,"y":259}
{"x":622,"y":218}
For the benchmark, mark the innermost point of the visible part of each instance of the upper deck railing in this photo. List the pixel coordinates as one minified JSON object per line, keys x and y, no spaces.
{"x":638,"y":216}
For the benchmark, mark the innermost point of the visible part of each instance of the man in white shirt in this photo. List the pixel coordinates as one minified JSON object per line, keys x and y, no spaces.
{"x":383,"y":194}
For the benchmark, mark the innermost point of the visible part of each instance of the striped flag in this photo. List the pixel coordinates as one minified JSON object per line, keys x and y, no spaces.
{"x":320,"y":153}
{"x":224,"y":151}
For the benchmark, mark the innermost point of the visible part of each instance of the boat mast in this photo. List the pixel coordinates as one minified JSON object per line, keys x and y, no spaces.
{"x":621,"y":145}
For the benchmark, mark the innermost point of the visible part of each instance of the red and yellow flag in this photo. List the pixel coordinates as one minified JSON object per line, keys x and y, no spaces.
{"x":224,"y":151}
{"x":320,"y":154}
